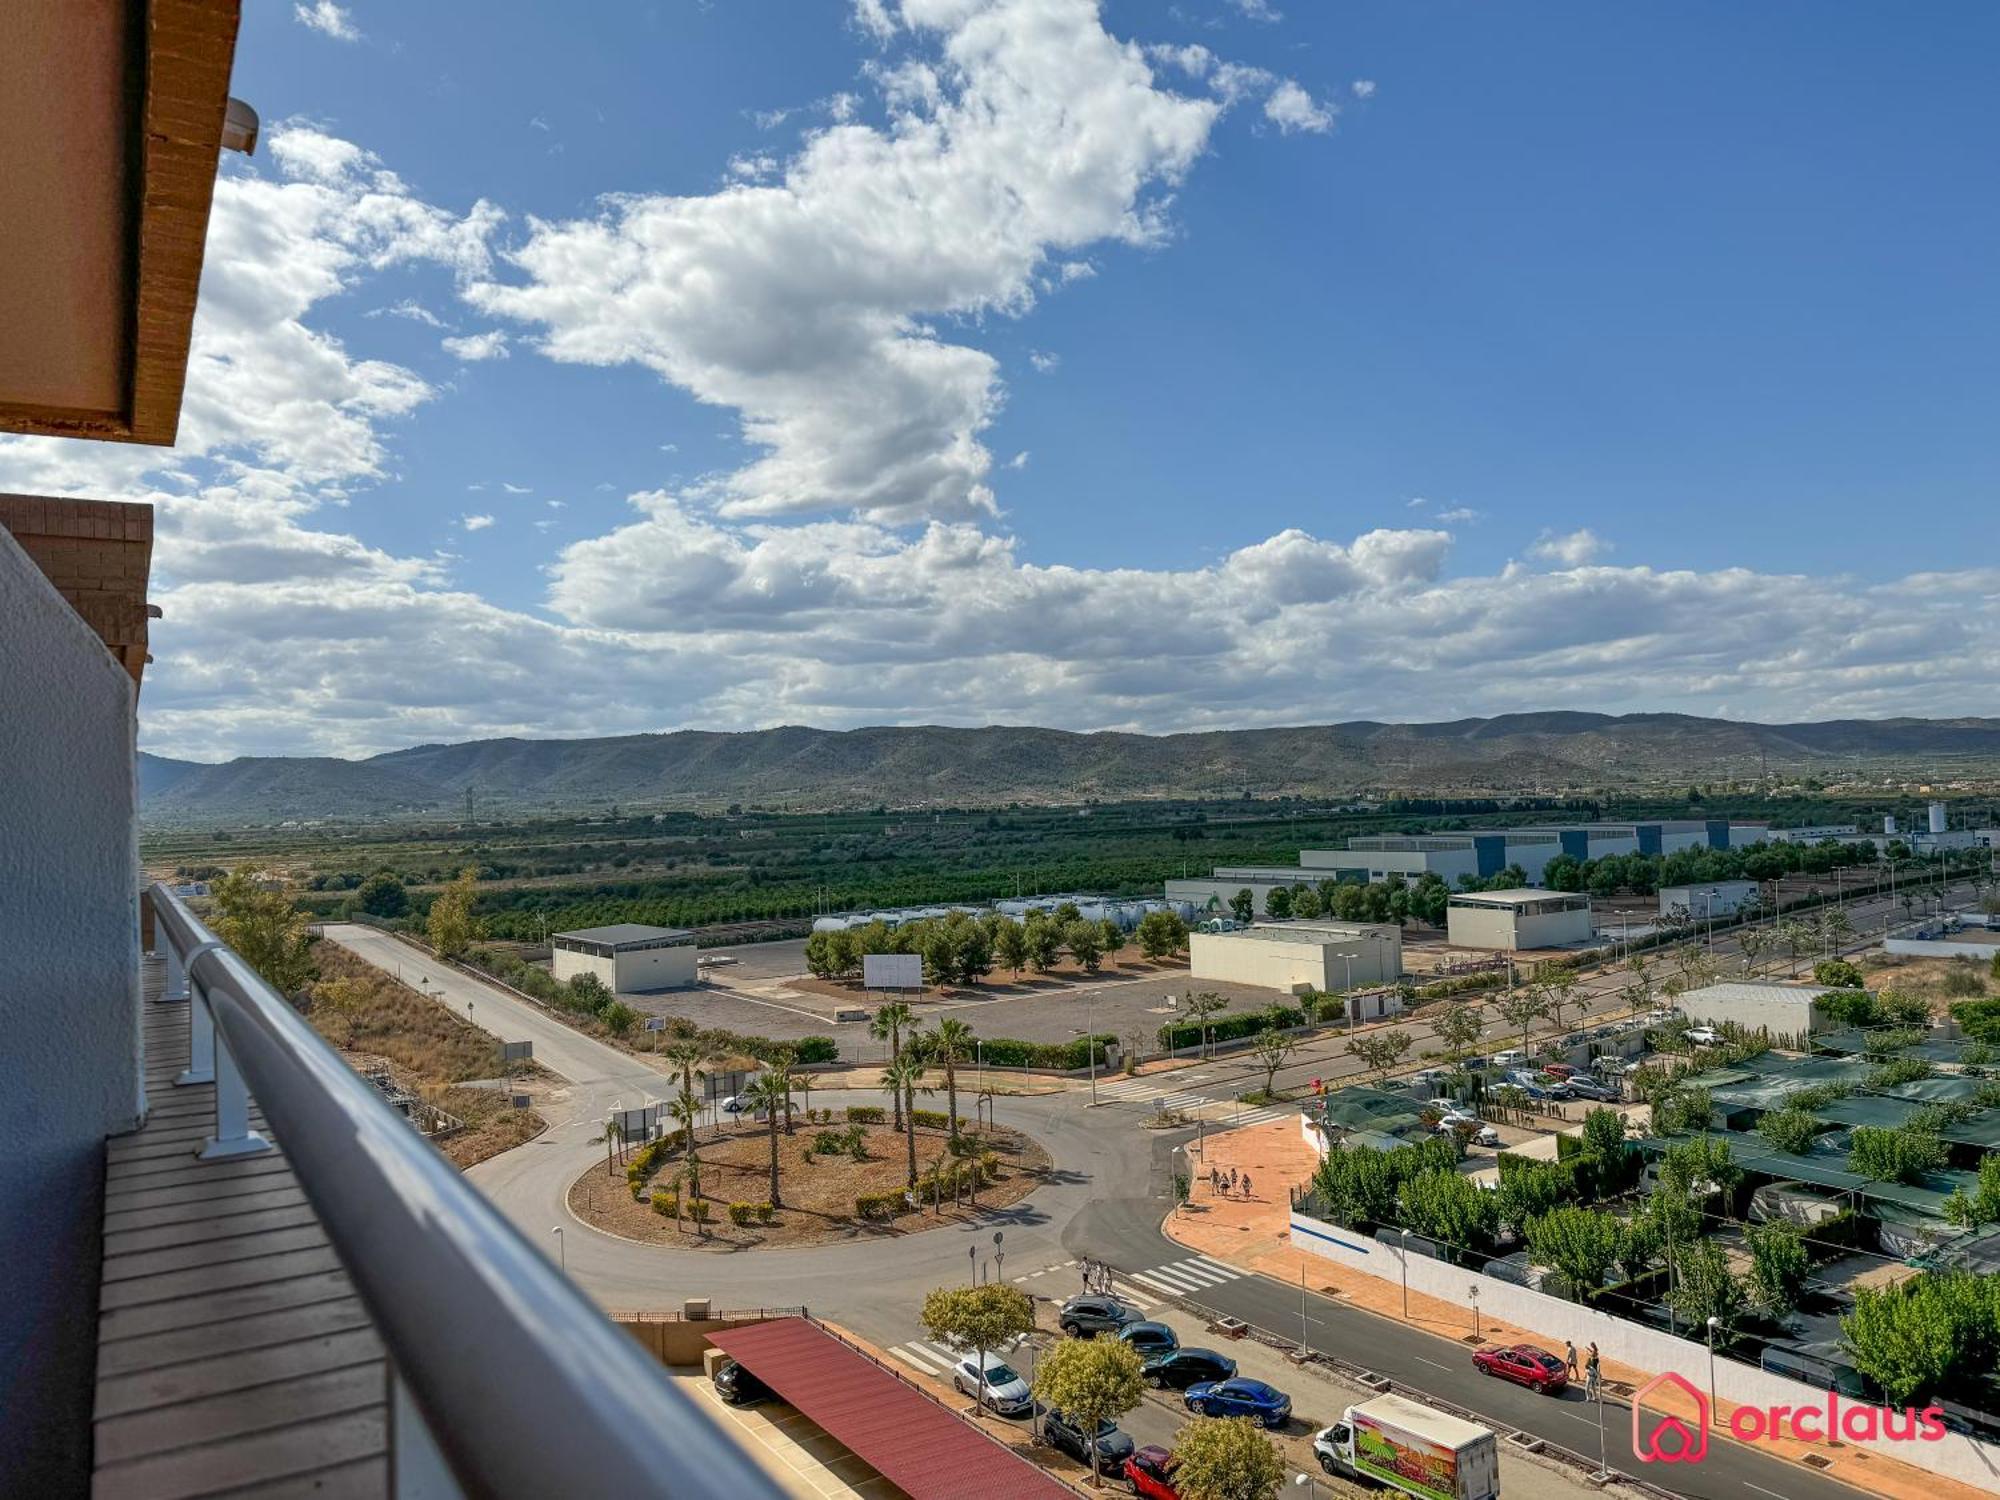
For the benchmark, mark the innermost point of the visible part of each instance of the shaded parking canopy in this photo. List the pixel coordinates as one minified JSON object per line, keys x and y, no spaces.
{"x":916,"y":1443}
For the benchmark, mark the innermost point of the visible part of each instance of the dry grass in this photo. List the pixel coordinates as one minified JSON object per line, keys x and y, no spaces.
{"x":1938,"y":980}
{"x":376,"y":1021}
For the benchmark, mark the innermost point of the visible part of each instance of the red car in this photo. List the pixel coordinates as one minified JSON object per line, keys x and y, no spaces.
{"x":1523,"y":1364}
{"x":1148,"y":1470}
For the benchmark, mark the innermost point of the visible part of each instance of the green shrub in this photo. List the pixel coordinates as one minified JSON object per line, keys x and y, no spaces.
{"x":667,"y":1205}
{"x":1838,"y":973}
{"x":740,"y":1213}
{"x":828,"y":1142}
{"x":816,"y":1049}
{"x":1008,"y":1052}
{"x":698,"y":1209}
{"x":933,"y":1119}
{"x":1233,"y":1026}
{"x":866,"y":1114}
{"x":764,"y":1212}
{"x":639,"y":1171}
{"x":879,"y":1205}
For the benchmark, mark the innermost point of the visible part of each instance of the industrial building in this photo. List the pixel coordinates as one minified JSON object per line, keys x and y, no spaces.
{"x":1517,"y":919}
{"x":627,"y":956}
{"x":1715,"y":898}
{"x":1459,"y":857}
{"x":1291,"y":956}
{"x":1779,"y":1010}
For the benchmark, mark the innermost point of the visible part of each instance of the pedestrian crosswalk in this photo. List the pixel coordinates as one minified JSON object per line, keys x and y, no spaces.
{"x":926,"y":1359}
{"x":1176,"y":1091}
{"x":1181,"y":1278}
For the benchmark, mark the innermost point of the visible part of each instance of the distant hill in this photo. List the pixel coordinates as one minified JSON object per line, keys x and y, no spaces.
{"x":928,"y":765}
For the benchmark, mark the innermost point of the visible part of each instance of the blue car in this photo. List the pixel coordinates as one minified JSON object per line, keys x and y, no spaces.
{"x":1240,"y":1398}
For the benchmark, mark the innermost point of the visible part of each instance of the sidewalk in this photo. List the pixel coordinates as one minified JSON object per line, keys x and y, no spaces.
{"x":1255,"y":1233}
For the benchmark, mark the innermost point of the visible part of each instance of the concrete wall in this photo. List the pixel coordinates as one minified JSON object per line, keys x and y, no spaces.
{"x":1781,"y":1010}
{"x":69,"y":1010}
{"x":1697,"y":901}
{"x":1313,"y":958}
{"x":1919,"y":948}
{"x":1649,"y":1349}
{"x":656,"y":968}
{"x":566,"y":964}
{"x":679,"y":1342}
{"x":1501,"y":928}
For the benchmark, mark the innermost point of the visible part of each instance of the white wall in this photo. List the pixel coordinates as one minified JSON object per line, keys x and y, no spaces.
{"x":1643,"y":1348}
{"x":69,"y":1009}
{"x":567,"y":963}
{"x":656,"y":968}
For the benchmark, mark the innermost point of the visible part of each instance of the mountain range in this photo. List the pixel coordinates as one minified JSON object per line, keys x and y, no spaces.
{"x":931,"y":765}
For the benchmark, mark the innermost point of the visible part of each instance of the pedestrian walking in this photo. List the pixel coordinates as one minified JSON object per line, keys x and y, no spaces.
{"x":1246,"y":1184}
{"x":1232,"y":1179}
{"x":1086,"y":1273}
{"x":1569,"y":1356}
{"x":1592,"y":1374}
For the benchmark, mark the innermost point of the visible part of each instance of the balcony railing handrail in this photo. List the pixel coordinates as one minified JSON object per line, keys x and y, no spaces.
{"x":524,"y":1385}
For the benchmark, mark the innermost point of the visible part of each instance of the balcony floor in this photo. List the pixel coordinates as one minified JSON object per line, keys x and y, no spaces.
{"x":233,"y":1356}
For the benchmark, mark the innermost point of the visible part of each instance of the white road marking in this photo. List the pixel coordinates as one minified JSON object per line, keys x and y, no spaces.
{"x":1159,"y":1286}
{"x":919,"y":1358}
{"x":1762,"y":1491}
{"x":1431,"y":1362}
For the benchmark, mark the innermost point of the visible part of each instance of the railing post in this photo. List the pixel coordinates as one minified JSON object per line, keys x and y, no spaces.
{"x":418,"y":1469}
{"x":177,"y":978}
{"x":233,"y":1135}
{"x":201,"y":1043}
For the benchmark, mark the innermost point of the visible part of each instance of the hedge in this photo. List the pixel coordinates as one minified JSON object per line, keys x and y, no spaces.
{"x":817,"y":1049}
{"x":742,"y":1213}
{"x":1009,"y":1052}
{"x":933,"y":1119}
{"x":1177,"y":1034}
{"x":639,"y":1171}
{"x":866,"y":1114}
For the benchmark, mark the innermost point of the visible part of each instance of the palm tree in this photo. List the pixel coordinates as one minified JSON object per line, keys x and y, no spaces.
{"x":778,"y":1072}
{"x":888,"y":1026}
{"x":770,"y":1093}
{"x":904,"y":1079}
{"x":689,"y":1057}
{"x":948,"y":1045}
{"x":690,"y":1173}
{"x":686,"y":1110}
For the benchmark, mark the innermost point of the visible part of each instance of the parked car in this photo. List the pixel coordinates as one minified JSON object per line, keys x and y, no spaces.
{"x":1149,"y":1339}
{"x":735,"y":1104}
{"x":1455,"y":1117}
{"x":1150,"y":1473}
{"x":1240,"y":1398}
{"x":1523,"y":1364}
{"x":739,"y":1387}
{"x":1704,"y":1036}
{"x":1113,"y":1446}
{"x":1486,"y":1135}
{"x":1003,"y":1389}
{"x":1187,"y":1367}
{"x":1558,"y":1070}
{"x":1585,"y":1088}
{"x":1509,"y":1058}
{"x":1087,"y":1316}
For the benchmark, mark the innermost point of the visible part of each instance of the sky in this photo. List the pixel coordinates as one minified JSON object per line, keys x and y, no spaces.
{"x":595,"y":369}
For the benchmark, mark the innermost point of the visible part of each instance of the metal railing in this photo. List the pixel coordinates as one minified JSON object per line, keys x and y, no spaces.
{"x":507,"y":1380}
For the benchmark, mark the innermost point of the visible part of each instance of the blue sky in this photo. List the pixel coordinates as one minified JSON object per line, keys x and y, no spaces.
{"x":1145,"y":366}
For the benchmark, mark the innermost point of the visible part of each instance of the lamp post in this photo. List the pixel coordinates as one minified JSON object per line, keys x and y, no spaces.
{"x":1090,"y":1040}
{"x":1472,"y":1299}
{"x":999,"y":1258}
{"x":1305,"y":1482}
{"x":1713,"y":1324}
{"x":1406,"y":1273}
{"x":1302,"y":1309}
{"x":562,"y":1248}
{"x":972,"y":1254}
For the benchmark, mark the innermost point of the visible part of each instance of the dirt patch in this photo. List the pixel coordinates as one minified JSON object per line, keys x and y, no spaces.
{"x":1004,"y":984}
{"x":818,"y":1194}
{"x":1938,"y":980}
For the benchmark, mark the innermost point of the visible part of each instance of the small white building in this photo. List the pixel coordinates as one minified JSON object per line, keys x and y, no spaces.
{"x":627,"y":956}
{"x":1290,"y":955}
{"x":1522,"y":918}
{"x":1781,"y":1010}
{"x":1715,"y":898}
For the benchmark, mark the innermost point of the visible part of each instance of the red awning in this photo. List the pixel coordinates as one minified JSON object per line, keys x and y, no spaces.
{"x":918,"y":1444}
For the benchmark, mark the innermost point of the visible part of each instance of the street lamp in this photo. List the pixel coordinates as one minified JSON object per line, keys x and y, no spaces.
{"x":1305,"y":1482}
{"x":1472,"y":1297}
{"x":999,"y":1257}
{"x":1713,"y":1324}
{"x":972,"y":1255}
{"x":562,"y":1248}
{"x":1406,"y":1274}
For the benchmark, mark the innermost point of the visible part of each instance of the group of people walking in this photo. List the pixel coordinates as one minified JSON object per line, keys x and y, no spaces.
{"x":1224,"y":1184}
{"x":1593,"y":1372}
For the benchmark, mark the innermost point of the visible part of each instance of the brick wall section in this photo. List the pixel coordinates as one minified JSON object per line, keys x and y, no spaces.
{"x":98,"y":554}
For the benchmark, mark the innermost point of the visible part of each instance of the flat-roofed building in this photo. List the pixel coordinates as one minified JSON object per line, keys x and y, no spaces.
{"x":1521,"y":918}
{"x":627,"y":956}
{"x":1289,"y":956}
{"x":1781,"y":1010}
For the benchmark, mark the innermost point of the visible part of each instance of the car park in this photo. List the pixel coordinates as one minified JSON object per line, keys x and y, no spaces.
{"x":1150,"y":1473}
{"x":1524,"y":1364}
{"x":1112,"y":1445}
{"x":1087,"y":1316}
{"x":1002,"y":1389}
{"x":1240,"y":1398}
{"x":1183,"y":1368}
{"x":738,"y":1386}
{"x":1149,"y":1339}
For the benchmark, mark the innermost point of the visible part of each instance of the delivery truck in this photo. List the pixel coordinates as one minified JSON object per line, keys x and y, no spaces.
{"x":1404,"y":1445}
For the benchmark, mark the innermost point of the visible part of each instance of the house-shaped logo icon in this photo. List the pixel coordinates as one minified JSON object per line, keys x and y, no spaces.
{"x":1664,"y":1437}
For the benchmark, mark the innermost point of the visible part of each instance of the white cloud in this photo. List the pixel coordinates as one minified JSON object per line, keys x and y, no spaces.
{"x":1461,"y":515}
{"x":1019,"y":460}
{"x":517,"y":489}
{"x":1416,"y":502}
{"x":1258,"y":10}
{"x":491,"y":344}
{"x":1573,"y":549}
{"x":475,"y":523}
{"x":1363,"y":88}
{"x":408,"y":308}
{"x":769,"y":119}
{"x":1291,"y":108}
{"x":1044,"y":362}
{"x":753,"y":168}
{"x":328,"y":19}
{"x":556,"y":504}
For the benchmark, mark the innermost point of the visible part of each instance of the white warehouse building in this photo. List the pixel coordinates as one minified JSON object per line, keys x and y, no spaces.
{"x":1714,"y":898}
{"x":1291,"y":956}
{"x":1517,"y":919}
{"x":628,"y":956}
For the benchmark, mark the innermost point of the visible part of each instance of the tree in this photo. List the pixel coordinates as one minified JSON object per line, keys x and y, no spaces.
{"x":1010,"y":945}
{"x":1458,"y":1028}
{"x":382,"y":895}
{"x":1705,"y":1287}
{"x":1982,"y":1204}
{"x":1839,"y":973}
{"x":823,"y":955}
{"x":1085,"y":943}
{"x":1448,"y":1206}
{"x":1778,"y":1266}
{"x":1044,"y":939}
{"x":1522,"y":1009}
{"x":1798,"y":939}
{"x":770,"y":1092}
{"x":1924,"y":1337}
{"x":266,"y":930}
{"x":689,"y":1057}
{"x":1243,"y":905}
{"x":450,"y":925}
{"x":1091,"y":1382}
{"x":1197,"y":1006}
{"x":1162,"y":934}
{"x":1226,"y":1458}
{"x":1558,"y":992}
{"x":1111,"y":938}
{"x":975,"y":1319}
{"x":1307,"y":902}
{"x":948,"y":1044}
{"x":1899,"y":1155}
{"x":618,"y":1017}
{"x":1381,"y":1052}
{"x":686,"y":1111}
{"x":904,"y":1079}
{"x":1790,"y":1130}
{"x":1272,"y":1049}
{"x":889,"y":1025}
{"x":1582,"y":1243}
{"x":1278,"y":904}
{"x":1752,"y":941}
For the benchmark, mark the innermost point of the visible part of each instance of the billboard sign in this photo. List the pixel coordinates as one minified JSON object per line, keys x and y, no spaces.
{"x":516,"y":1051}
{"x":892,"y":971}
